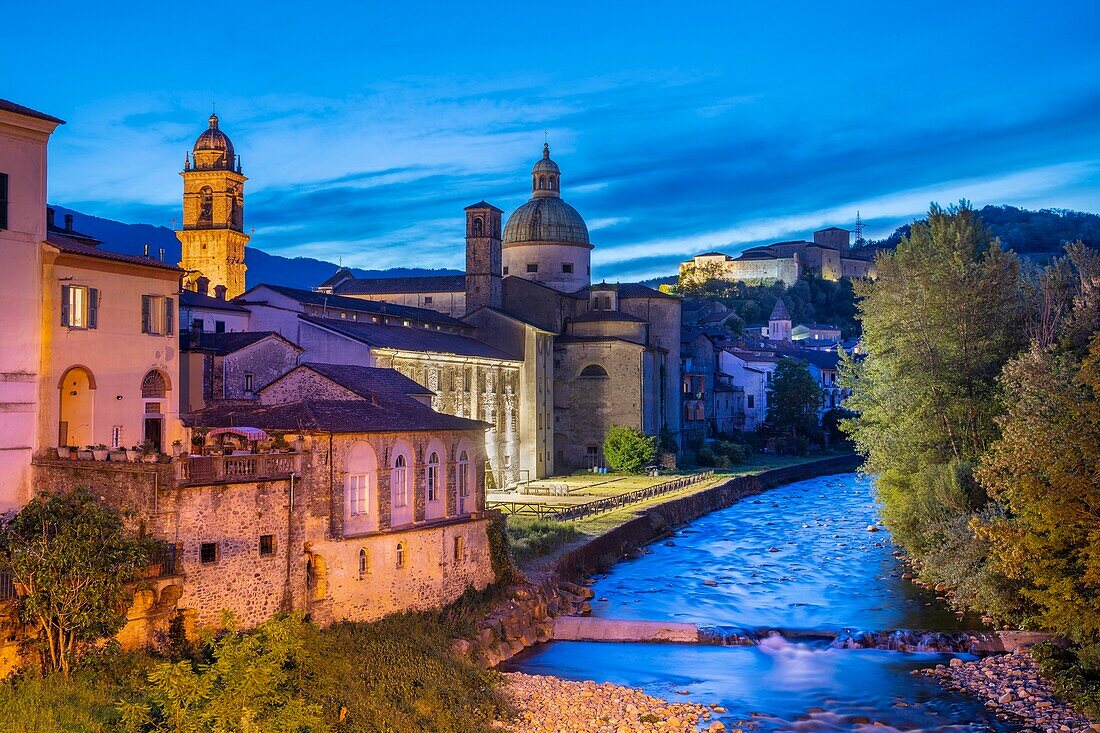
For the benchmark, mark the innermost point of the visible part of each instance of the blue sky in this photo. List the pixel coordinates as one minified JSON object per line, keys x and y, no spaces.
{"x":680,"y":127}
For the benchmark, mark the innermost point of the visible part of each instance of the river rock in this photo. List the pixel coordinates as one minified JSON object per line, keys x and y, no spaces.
{"x":710,"y":582}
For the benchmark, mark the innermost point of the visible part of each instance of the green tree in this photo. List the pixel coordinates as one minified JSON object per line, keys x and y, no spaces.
{"x":72,"y":561}
{"x":794,"y":398}
{"x":939,"y":324}
{"x":629,"y":450}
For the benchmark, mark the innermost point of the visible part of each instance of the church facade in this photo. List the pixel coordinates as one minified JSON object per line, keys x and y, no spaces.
{"x":594,"y":355}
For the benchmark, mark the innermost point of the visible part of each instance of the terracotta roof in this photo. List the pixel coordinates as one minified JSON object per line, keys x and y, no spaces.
{"x":355,"y":304}
{"x":229,"y":342}
{"x":407,"y":338}
{"x":392,"y":414}
{"x":367,"y":382}
{"x":72,"y":246}
{"x":483,"y":204}
{"x":393,"y":285}
{"x":627,"y":290}
{"x":192,"y":299}
{"x":591,"y":316}
{"x":19,"y":109}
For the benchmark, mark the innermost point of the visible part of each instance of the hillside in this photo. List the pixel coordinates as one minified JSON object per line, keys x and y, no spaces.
{"x":298,"y":272}
{"x":1033,"y":233}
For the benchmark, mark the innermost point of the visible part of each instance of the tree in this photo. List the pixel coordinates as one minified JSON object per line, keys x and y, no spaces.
{"x":72,"y":561}
{"x":629,"y":450}
{"x":939,"y":324}
{"x":794,"y":398}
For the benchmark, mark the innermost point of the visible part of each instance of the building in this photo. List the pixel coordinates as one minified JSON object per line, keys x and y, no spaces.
{"x":712,"y":404}
{"x":829,"y":255}
{"x":612,"y":348}
{"x":212,"y":237}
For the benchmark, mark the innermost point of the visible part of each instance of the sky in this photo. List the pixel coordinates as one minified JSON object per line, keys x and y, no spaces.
{"x":365,"y":128}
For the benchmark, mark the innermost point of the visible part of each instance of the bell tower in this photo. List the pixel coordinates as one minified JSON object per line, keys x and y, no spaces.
{"x":483,"y":257}
{"x":212,"y":237}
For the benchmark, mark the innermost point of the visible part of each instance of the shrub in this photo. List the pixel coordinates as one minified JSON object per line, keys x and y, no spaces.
{"x":1074,"y":674}
{"x":629,"y":450}
{"x":539,"y":538}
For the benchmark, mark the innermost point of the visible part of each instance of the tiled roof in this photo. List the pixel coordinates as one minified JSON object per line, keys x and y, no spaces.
{"x":820,"y":359}
{"x":226,"y":343}
{"x":483,"y":204}
{"x":341,"y":274}
{"x":628,"y":290}
{"x":779,"y":312}
{"x":19,"y":109}
{"x":192,"y":299}
{"x":713,"y":254}
{"x":592,"y":316}
{"x":406,"y":338}
{"x":355,"y":304}
{"x":366,"y":381}
{"x":392,"y":285}
{"x":391,"y":414}
{"x":72,"y":246}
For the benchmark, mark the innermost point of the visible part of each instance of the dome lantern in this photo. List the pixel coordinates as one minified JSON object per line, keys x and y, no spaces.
{"x":213,"y":150}
{"x":546,"y":176}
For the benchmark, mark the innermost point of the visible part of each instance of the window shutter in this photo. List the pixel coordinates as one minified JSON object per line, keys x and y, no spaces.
{"x":93,"y":307}
{"x":64,"y":305}
{"x":169,"y":315}
{"x":145,"y":314}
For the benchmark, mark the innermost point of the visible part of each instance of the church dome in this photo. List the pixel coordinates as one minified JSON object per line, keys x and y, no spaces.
{"x":545,"y":220}
{"x":213,"y":148}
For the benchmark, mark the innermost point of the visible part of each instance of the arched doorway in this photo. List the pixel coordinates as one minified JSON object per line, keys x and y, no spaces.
{"x":75,"y":418}
{"x":154,"y":393}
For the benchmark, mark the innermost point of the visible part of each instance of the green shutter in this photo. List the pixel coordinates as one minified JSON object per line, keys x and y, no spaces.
{"x":93,"y":307}
{"x":145,"y":314}
{"x":169,"y":315}
{"x":64,"y":305}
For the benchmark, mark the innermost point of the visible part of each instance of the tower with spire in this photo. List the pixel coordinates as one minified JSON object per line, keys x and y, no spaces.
{"x":213,"y":238}
{"x":779,"y":323}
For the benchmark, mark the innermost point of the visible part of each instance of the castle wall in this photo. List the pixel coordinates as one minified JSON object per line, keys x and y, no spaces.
{"x":785,"y":269}
{"x":453,"y":303}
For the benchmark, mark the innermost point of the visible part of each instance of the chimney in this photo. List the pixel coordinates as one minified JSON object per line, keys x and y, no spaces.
{"x":49,"y":217}
{"x":146,"y":249}
{"x":68,"y":222}
{"x":202,"y":285}
{"x":219,"y":292}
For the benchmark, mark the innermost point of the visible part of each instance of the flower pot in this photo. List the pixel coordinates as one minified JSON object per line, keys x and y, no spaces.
{"x":100,"y":454}
{"x":85,"y":455}
{"x":63,"y":452}
{"x":133,"y":456}
{"x":118,"y":456}
{"x":149,"y":458}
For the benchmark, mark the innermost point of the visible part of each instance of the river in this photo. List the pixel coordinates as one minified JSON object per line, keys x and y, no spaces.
{"x":784,"y":573}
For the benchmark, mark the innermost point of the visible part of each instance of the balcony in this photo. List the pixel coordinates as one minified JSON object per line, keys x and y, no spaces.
{"x":199,"y":470}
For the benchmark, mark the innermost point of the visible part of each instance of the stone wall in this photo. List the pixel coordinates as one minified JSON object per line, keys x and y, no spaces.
{"x":265,"y":360}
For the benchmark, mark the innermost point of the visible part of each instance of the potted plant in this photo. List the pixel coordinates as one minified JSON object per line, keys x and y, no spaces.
{"x":118,"y":454}
{"x":299,"y":443}
{"x":99,"y":452}
{"x":63,"y":452}
{"x":85,"y":453}
{"x":133,"y":453}
{"x":177,"y":448}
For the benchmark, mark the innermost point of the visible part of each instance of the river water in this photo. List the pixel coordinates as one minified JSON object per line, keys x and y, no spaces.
{"x":784,"y":574}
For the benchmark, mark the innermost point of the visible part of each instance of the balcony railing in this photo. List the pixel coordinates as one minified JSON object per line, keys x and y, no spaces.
{"x":7,"y":587}
{"x":162,"y":561}
{"x":237,"y":469}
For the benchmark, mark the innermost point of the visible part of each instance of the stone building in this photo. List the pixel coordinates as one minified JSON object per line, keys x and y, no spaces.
{"x":547,"y":313}
{"x":829,"y":255}
{"x":212,"y":237}
{"x":215,"y":367}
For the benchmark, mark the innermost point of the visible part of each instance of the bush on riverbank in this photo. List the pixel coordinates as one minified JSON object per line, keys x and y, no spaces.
{"x":537,"y":538}
{"x":629,"y":450}
{"x":1074,"y":675}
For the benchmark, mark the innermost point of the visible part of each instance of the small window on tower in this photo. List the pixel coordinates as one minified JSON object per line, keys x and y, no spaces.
{"x":427,"y":300}
{"x":505,"y":270}
{"x":567,"y":268}
{"x":532,"y":267}
{"x":478,"y":227}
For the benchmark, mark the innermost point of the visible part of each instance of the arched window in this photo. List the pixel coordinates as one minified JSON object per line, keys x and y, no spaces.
{"x":154,"y":385}
{"x":360,"y":484}
{"x":550,"y":183}
{"x":400,"y":554}
{"x":364,"y":563}
{"x":463,"y":481}
{"x":358,"y":494}
{"x":593,"y":371}
{"x":432,"y":477}
{"x":542,"y":183}
{"x":478,"y":227}
{"x":399,"y":482}
{"x":206,"y":205}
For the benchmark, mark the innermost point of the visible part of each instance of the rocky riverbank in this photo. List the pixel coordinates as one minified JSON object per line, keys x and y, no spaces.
{"x":553,"y":705}
{"x":1011,"y":685}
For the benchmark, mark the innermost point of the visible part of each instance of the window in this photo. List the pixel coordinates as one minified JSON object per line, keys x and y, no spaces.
{"x":750,"y":401}
{"x":116,"y":436}
{"x":267,"y":545}
{"x":399,"y":480}
{"x":478,"y":226}
{"x":208,"y":553}
{"x":532,"y":267}
{"x":364,"y":563}
{"x":196,"y":324}
{"x":400,"y":554}
{"x":154,"y":385}
{"x":567,"y":268}
{"x":219,"y":326}
{"x":459,"y":549}
{"x":593,"y":371}
{"x":79,"y":306}
{"x":463,"y":488}
{"x":427,"y":300}
{"x":433,"y":477}
{"x":157,"y":314}
{"x":359,"y":494}
{"x":3,"y":200}
{"x":505,"y":270}
{"x":248,"y":383}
